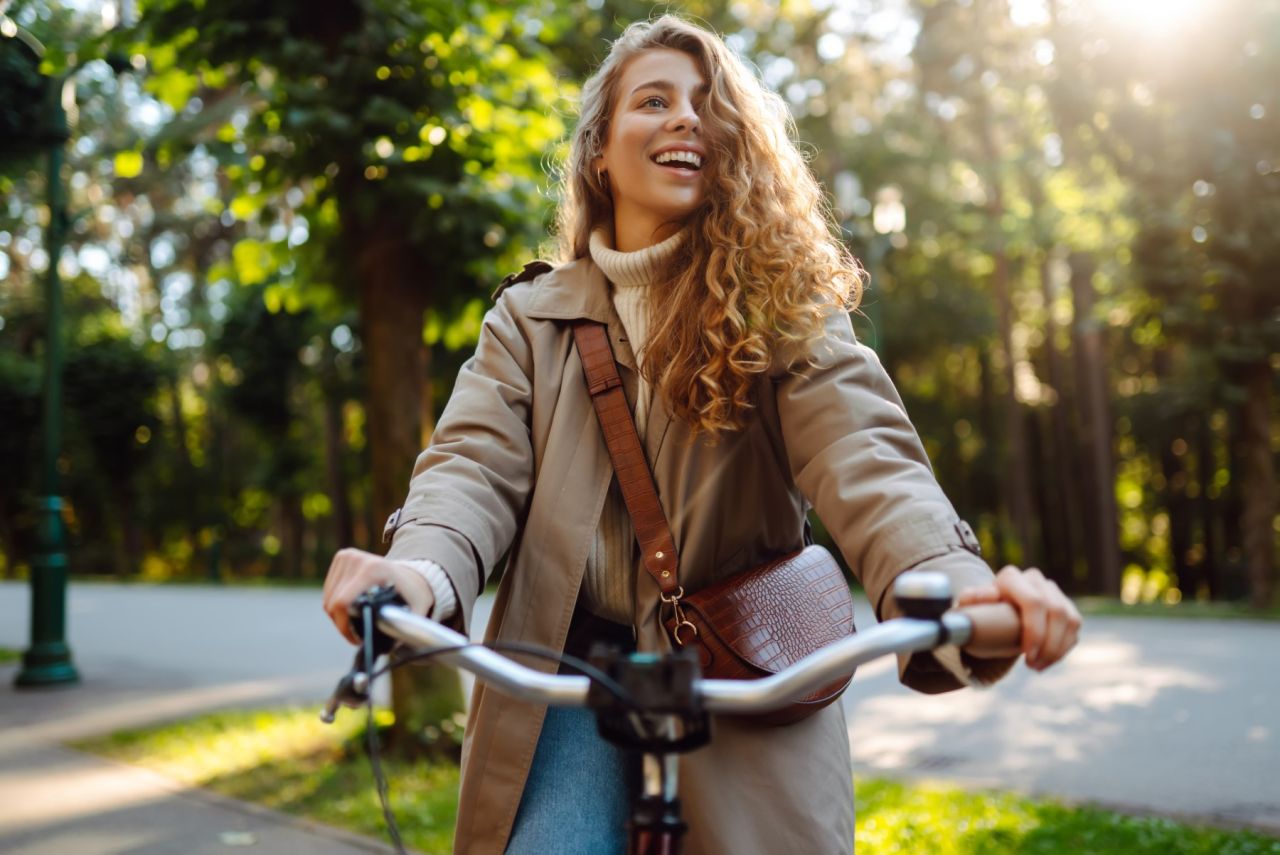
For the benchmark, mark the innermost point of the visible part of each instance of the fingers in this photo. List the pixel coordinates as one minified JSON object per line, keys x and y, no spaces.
{"x":1065,"y":630}
{"x":1050,"y":621}
{"x":351,"y":573}
{"x":981,"y":594}
{"x":1018,"y":586}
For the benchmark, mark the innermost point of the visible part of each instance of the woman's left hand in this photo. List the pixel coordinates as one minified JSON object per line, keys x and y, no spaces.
{"x":1050,"y":621}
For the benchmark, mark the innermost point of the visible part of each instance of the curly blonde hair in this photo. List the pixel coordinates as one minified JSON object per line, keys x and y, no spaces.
{"x":762,"y":265}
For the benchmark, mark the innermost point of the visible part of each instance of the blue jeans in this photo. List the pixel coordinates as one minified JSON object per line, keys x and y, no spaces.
{"x":577,"y":798}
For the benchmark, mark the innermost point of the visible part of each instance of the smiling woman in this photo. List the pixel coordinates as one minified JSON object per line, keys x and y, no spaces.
{"x":653,"y":157}
{"x":698,"y":244}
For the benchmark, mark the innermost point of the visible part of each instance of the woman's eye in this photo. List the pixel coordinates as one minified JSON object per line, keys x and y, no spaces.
{"x":653,"y":100}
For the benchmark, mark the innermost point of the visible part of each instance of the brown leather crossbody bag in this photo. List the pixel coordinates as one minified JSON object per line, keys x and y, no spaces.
{"x":749,"y":625}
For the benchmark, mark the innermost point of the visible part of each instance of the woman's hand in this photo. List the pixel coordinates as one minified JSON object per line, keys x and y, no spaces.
{"x":354,"y":571}
{"x":1050,"y":621}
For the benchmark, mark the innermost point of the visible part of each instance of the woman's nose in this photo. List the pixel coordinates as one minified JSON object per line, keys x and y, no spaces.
{"x":686,"y":119}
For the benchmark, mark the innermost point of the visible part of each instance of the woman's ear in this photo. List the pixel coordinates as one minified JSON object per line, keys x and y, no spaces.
{"x":602,"y":174}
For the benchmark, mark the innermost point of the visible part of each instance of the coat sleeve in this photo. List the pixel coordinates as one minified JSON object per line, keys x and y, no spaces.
{"x":857,"y":459}
{"x":470,"y":485}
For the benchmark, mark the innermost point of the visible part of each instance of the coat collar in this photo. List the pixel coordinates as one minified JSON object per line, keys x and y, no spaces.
{"x":579,"y":290}
{"x":572,"y":291}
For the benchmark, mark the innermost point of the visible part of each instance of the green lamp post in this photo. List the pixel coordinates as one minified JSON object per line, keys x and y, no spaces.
{"x":48,"y":660}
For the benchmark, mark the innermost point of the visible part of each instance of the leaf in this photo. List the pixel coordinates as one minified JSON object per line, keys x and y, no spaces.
{"x":244,"y":207}
{"x":253,"y":261}
{"x":128,"y":164}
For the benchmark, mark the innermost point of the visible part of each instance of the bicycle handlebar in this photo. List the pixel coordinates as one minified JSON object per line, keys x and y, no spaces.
{"x":991,"y":626}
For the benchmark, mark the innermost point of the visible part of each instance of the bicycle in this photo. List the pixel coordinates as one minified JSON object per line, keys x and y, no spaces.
{"x":657,"y":704}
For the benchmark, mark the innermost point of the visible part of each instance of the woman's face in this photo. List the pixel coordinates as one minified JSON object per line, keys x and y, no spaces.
{"x":654,"y":154}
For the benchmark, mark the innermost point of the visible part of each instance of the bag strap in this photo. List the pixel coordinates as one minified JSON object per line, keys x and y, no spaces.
{"x":657,"y":546}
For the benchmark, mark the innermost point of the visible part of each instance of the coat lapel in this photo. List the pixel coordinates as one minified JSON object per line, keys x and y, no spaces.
{"x":579,"y":290}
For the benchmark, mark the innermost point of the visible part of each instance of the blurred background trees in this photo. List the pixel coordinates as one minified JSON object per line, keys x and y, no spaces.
{"x":289,"y":219}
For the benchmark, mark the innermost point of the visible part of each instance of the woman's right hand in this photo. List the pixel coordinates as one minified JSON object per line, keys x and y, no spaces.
{"x":354,"y":571}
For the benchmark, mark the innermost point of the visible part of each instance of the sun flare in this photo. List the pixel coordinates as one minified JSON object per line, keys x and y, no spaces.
{"x":1152,"y":17}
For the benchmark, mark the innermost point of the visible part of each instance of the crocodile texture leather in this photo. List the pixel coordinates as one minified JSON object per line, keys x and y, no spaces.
{"x":750,"y":625}
{"x":760,"y":621}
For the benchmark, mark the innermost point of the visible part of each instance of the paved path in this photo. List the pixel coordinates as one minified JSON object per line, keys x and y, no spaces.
{"x":148,"y":654}
{"x":1167,"y":716}
{"x":1170,"y":716}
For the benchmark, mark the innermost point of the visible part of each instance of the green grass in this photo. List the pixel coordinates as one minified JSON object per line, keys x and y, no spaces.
{"x":901,"y":818}
{"x":7,"y":656}
{"x":288,"y":760}
{"x":200,"y":580}
{"x":1187,"y":609}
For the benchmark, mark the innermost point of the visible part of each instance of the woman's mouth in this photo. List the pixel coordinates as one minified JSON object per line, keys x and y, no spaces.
{"x":679,"y":160}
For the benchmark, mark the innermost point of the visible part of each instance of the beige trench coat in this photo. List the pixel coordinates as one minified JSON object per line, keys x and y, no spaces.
{"x":517,"y":462}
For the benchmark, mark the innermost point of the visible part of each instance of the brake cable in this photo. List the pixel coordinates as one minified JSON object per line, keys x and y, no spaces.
{"x":588,"y":670}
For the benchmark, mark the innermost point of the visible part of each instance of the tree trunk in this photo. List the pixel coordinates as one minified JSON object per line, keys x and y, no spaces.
{"x":1235,"y":584}
{"x":186,"y":468}
{"x":393,"y":298}
{"x":1018,"y":465}
{"x":1258,"y":487}
{"x":1016,"y":469}
{"x":334,"y":454}
{"x":1173,"y":450}
{"x":1065,"y":523}
{"x":1207,"y":507}
{"x":292,"y":525}
{"x":983,"y":474}
{"x":1101,"y":532}
{"x":1179,"y":509}
{"x":130,"y":532}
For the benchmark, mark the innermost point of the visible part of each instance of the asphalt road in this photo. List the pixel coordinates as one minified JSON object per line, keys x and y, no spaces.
{"x":1178,"y":717}
{"x":1175,"y":717}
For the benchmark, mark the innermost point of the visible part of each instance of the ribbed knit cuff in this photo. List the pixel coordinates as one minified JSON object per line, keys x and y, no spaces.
{"x":446,"y":599}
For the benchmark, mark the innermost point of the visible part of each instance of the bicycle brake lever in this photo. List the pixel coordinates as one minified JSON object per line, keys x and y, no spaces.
{"x":352,"y":691}
{"x":373,"y":600}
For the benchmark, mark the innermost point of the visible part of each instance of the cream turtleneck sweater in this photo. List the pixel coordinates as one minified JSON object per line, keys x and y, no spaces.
{"x":608,"y":586}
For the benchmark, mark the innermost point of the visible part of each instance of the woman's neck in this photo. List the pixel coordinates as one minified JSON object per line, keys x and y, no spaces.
{"x":632,"y":233}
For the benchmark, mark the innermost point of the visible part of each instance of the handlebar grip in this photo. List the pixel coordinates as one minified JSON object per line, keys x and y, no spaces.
{"x":997,"y":629}
{"x":375,"y":598}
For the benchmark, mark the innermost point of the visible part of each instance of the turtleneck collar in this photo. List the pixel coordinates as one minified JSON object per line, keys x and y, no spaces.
{"x":630,"y":269}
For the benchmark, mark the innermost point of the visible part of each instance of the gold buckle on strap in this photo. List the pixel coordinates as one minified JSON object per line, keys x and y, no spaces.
{"x":682,"y":622}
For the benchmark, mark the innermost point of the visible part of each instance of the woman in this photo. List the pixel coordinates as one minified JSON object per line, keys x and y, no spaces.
{"x":691,"y":227}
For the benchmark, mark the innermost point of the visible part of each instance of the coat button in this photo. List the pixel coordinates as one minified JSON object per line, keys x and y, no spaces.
{"x":389,"y":530}
{"x":968,"y":538}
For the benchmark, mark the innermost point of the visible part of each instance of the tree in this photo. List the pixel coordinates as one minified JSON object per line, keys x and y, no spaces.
{"x":414,"y":134}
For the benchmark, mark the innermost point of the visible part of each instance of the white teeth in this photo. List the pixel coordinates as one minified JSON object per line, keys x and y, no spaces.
{"x":684,"y":156}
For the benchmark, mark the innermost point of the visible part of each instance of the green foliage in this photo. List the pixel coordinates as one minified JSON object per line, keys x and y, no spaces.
{"x":20,"y":402}
{"x":24,"y":114}
{"x":431,"y":119}
{"x":111,"y":385}
{"x":270,"y":162}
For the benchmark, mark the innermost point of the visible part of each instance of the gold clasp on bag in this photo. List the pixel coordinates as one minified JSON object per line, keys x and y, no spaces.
{"x":673,"y":600}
